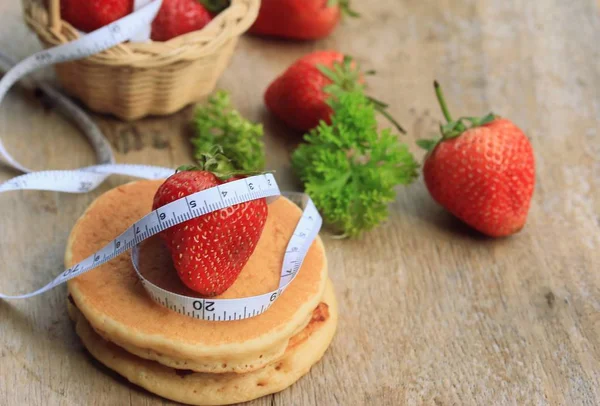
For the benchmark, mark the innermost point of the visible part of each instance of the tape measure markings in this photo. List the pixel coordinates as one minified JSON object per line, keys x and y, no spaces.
{"x":176,"y":212}
{"x":218,"y":309}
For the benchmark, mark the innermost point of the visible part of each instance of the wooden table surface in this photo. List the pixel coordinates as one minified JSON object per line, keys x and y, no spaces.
{"x":431,"y":313}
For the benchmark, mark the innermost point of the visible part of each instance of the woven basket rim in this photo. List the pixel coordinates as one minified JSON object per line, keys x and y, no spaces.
{"x":231,"y":22}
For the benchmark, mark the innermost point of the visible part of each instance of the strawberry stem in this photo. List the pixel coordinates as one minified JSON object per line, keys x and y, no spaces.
{"x":346,"y":77}
{"x":452,"y":128}
{"x":442,"y":101}
{"x":381,"y":108}
{"x":212,"y":161}
{"x":217,"y":163}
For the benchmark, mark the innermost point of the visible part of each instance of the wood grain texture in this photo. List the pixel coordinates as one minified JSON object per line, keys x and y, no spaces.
{"x":431,"y":313}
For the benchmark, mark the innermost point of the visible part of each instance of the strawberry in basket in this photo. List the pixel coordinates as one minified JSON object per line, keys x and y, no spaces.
{"x":93,"y":14}
{"x":175,"y":17}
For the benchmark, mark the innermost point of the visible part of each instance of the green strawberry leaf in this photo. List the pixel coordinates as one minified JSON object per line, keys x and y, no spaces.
{"x":452,"y":128}
{"x":346,"y":78}
{"x":344,"y":7}
{"x":184,"y":168}
{"x":427,"y":145}
{"x":487,"y":119}
{"x":327,"y":72}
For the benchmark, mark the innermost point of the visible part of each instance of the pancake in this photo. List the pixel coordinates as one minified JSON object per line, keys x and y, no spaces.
{"x":118,"y":308}
{"x":303,"y":351}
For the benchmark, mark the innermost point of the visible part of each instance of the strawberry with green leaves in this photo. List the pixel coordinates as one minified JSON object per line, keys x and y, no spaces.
{"x":300,"y":19}
{"x":482,"y":170}
{"x":210,"y":251}
{"x":301,"y":96}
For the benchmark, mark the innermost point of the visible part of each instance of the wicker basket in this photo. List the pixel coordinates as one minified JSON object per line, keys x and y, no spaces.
{"x":132,"y":80}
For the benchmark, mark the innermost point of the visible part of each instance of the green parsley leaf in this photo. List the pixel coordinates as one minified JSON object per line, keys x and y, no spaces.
{"x":216,"y":123}
{"x":350,"y":169}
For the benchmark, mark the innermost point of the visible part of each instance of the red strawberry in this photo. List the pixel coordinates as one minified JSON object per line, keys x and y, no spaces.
{"x":177,"y":17}
{"x":299,"y":96}
{"x":210,"y":251}
{"x":325,"y":58}
{"x":89,"y":15}
{"x":482,"y":171}
{"x":300,"y":19}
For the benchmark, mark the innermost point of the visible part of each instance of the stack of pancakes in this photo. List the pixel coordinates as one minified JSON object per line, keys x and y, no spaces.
{"x":184,"y":359}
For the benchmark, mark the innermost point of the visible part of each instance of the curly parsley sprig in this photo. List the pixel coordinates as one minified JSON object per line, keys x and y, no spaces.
{"x":216,"y":123}
{"x":350,"y":169}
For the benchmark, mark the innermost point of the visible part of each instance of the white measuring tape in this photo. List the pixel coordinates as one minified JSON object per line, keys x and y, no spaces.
{"x":176,"y":212}
{"x":236,"y":309}
{"x":90,"y":44}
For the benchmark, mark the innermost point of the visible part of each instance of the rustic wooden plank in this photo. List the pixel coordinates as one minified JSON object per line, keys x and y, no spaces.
{"x":431,"y":312}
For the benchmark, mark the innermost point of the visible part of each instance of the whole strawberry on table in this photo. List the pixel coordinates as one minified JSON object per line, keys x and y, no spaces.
{"x":301,"y":96}
{"x":482,"y":170}
{"x":210,"y":251}
{"x":300,"y":19}
{"x":175,"y":17}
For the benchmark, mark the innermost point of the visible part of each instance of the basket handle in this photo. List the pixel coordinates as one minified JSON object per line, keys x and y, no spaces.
{"x":54,"y":13}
